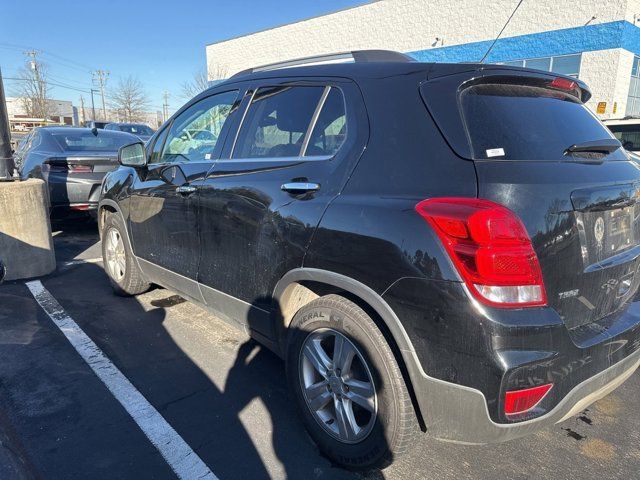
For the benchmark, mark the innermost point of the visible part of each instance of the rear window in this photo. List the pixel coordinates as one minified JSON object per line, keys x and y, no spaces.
{"x":136,"y":129}
{"x":629,"y":136}
{"x":521,"y":122}
{"x":104,"y":141}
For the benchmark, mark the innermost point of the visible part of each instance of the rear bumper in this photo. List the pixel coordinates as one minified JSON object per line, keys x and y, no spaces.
{"x":459,"y":414}
{"x":66,"y":190}
{"x":465,"y":357}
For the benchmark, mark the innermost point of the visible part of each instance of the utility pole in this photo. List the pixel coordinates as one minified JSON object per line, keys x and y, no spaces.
{"x":6,"y":155}
{"x":102,"y":76}
{"x":82,"y":109}
{"x":165,"y":106}
{"x":93,"y":105}
{"x":42,"y":107}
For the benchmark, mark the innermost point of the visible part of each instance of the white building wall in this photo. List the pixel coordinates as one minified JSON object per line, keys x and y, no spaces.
{"x":409,"y":25}
{"x":63,"y":108}
{"x":608,"y":74}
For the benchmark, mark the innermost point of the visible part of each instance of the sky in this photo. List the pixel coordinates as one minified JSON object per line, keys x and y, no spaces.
{"x":160,"y":43}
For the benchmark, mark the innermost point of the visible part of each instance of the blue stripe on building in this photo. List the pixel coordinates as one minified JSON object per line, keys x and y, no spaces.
{"x":603,"y":36}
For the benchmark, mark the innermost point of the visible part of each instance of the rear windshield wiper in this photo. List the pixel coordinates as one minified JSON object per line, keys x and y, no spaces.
{"x":606,"y":145}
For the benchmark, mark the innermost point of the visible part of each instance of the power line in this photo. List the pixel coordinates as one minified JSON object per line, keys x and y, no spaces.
{"x":69,"y":81}
{"x":88,"y":91}
{"x":70,"y":63}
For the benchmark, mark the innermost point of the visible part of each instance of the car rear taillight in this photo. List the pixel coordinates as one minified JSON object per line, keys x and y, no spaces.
{"x":79,"y":206}
{"x":63,"y":167}
{"x":521,"y":401}
{"x":490,"y":248}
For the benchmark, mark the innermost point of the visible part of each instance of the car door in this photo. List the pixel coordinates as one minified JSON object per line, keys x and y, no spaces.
{"x":297,"y":143}
{"x":163,"y":213}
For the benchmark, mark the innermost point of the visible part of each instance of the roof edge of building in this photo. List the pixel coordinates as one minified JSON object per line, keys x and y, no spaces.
{"x":306,"y":19}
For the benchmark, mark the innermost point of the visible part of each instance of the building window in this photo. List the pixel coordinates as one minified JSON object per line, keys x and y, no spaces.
{"x":633,"y":101}
{"x":562,"y":64}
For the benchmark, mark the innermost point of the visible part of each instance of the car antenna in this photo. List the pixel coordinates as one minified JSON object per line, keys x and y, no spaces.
{"x":501,"y":31}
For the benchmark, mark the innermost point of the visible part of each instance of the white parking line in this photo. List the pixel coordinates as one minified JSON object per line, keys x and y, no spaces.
{"x":81,"y":261}
{"x":180,"y":457}
{"x":62,"y":266}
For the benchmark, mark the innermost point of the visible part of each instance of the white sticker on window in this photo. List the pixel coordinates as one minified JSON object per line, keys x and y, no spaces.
{"x":207,"y":156}
{"x":495,"y":152}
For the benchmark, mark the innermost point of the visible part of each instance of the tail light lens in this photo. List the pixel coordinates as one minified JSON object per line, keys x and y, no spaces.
{"x":63,"y":167}
{"x":79,"y":206}
{"x":490,"y":248}
{"x":521,"y":401}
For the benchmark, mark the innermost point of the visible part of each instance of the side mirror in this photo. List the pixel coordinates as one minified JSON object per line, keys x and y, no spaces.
{"x":3,"y":271}
{"x":132,"y":155}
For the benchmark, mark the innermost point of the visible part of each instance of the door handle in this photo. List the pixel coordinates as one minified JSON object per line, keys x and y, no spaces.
{"x":300,"y":187}
{"x":186,"y":189}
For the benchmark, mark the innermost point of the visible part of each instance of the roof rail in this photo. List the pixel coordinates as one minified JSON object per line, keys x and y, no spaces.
{"x":357,"y":56}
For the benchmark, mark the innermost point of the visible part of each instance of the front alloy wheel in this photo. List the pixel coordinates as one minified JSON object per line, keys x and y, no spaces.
{"x":115,"y":255}
{"x":119,"y":263}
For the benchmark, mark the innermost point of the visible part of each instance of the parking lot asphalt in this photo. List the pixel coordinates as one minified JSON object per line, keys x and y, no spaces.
{"x":223,"y":394}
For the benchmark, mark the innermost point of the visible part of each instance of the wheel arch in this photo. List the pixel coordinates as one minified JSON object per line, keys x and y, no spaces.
{"x":104,"y":207}
{"x":302,"y":285}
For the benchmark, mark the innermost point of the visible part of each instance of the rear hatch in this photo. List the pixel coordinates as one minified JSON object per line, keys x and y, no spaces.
{"x":540,"y":152}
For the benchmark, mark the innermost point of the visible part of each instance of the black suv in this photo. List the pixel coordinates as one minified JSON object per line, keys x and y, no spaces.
{"x":452,"y":248}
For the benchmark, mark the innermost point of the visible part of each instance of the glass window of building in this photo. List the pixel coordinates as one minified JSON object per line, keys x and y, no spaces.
{"x":633,"y":101}
{"x":562,"y":64}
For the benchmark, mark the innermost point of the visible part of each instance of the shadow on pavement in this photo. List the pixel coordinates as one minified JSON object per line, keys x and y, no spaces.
{"x":74,"y":236}
{"x":220,"y":414}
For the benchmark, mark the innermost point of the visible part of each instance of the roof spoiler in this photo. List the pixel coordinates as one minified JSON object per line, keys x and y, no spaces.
{"x":357,"y":56}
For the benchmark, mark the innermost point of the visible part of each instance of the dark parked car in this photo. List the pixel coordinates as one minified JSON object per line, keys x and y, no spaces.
{"x":95,"y":124}
{"x":140,"y":130}
{"x":627,"y":130}
{"x":72,"y":161}
{"x":451,"y":248}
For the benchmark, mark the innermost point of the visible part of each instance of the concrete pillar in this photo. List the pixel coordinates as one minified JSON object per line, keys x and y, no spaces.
{"x":26,"y":245}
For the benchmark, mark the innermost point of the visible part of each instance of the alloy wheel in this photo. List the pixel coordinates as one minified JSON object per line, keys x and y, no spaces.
{"x":115,"y":254}
{"x":337,"y":385}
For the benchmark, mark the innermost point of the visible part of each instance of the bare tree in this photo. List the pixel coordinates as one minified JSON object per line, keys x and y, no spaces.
{"x":33,"y":89}
{"x":129,"y":99}
{"x":200,"y":81}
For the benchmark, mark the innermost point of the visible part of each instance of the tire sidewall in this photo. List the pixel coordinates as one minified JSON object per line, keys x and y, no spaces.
{"x":375,"y":447}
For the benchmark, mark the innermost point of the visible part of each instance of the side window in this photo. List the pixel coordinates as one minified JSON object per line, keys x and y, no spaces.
{"x":276,"y":122}
{"x":194,"y":134}
{"x":330,"y":130}
{"x":156,"y":151}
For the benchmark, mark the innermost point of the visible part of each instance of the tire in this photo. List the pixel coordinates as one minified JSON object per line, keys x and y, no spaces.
{"x":386,"y":433}
{"x":131,"y":281}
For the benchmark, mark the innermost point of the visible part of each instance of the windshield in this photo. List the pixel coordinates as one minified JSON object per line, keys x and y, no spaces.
{"x":629,"y":135}
{"x":522,"y":122}
{"x":82,"y":141}
{"x":136,"y":129}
